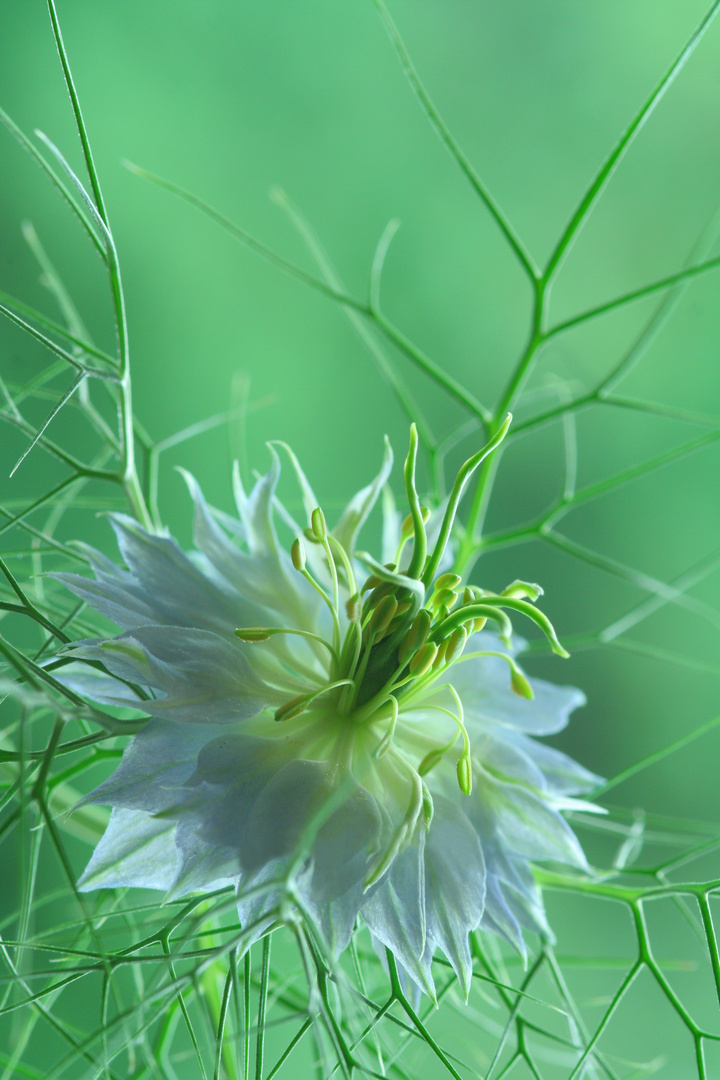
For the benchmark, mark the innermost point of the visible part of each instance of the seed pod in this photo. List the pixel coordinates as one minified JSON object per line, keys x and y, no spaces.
{"x":297,"y":554}
{"x":464,"y":773}
{"x":423,"y":659}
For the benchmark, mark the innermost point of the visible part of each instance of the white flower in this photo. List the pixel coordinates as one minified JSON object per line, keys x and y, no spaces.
{"x":364,"y":740}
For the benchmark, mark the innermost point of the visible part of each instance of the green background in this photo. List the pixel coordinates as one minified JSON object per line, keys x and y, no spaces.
{"x":231,"y":99}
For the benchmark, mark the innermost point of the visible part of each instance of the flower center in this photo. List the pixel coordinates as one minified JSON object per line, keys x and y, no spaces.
{"x":394,"y":640}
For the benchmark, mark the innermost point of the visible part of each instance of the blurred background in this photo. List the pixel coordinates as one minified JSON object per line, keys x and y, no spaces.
{"x":231,"y":100}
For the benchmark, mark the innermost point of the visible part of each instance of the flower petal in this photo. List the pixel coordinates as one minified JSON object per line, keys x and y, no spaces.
{"x":455,"y":881}
{"x":395,"y":912}
{"x":483,"y":684}
{"x":356,"y":512}
{"x":205,"y":678}
{"x":136,"y":850}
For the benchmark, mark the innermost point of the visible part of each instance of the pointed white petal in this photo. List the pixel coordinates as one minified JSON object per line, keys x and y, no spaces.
{"x":454,"y":885}
{"x":136,"y":850}
{"x":356,"y":512}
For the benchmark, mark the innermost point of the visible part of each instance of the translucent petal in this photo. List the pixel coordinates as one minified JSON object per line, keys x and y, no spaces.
{"x":484,"y":688}
{"x":395,"y":912}
{"x":356,"y":512}
{"x":205,"y":678}
{"x":455,"y":881}
{"x":136,"y":850}
{"x":155,"y":766}
{"x":523,"y":823}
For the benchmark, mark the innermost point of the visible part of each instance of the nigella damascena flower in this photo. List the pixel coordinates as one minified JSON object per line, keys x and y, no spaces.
{"x":359,"y":743}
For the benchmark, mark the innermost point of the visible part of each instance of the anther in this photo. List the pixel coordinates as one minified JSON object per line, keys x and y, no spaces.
{"x":423,"y":659}
{"x":455,"y":644}
{"x":297,"y":554}
{"x":252,"y":634}
{"x":444,"y":598}
{"x":317,"y":522}
{"x":431,"y":759}
{"x":353,"y":607}
{"x":447,"y":581}
{"x":291,"y":708}
{"x":416,"y":635}
{"x":520,"y":684}
{"x":381,"y":617}
{"x":464,"y":773}
{"x":408,"y":527}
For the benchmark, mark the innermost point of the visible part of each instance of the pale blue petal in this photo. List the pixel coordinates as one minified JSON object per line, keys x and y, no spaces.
{"x":266,"y":581}
{"x":454,"y":885}
{"x":231,"y":772}
{"x":98,"y":686}
{"x":204,"y":678}
{"x":356,"y":512}
{"x":256,"y":510}
{"x":563,"y":775}
{"x":499,"y":918}
{"x":505,"y":760}
{"x":395,"y":912}
{"x":523,"y":823}
{"x":484,"y":688}
{"x":156,"y":765}
{"x":161,"y":585}
{"x":333,"y":886}
{"x":136,"y":850}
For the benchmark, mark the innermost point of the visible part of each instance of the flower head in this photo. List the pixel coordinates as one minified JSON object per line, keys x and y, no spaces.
{"x":327,"y":729}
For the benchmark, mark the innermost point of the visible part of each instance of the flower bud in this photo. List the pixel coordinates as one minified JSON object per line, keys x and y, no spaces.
{"x":464,"y":773}
{"x":297,"y":554}
{"x":317,"y":522}
{"x":478,"y":625}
